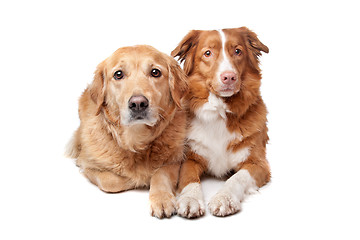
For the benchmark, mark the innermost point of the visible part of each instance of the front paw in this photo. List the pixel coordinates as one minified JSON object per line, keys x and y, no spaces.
{"x":190,"y":207}
{"x":190,"y":203}
{"x":224,"y":204}
{"x":162,"y":204}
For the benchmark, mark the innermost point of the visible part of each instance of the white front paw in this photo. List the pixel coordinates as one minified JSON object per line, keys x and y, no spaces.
{"x":224,"y":203}
{"x":190,"y":207}
{"x":190,"y":203}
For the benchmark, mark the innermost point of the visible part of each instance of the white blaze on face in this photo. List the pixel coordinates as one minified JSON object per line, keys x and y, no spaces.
{"x":225,"y":64}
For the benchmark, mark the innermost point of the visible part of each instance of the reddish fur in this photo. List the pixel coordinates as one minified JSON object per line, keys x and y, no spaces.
{"x":191,"y":169}
{"x":248,"y":111}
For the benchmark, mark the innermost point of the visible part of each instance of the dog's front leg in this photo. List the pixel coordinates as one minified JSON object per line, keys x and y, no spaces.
{"x":253,"y":174}
{"x":190,"y":203}
{"x":162,"y":189}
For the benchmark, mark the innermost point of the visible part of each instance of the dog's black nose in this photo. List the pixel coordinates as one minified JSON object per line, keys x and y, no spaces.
{"x":138,"y":103}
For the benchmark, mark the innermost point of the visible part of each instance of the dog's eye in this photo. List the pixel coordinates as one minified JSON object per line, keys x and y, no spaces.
{"x":238,"y":52}
{"x":208,"y":53}
{"x":118,"y":75}
{"x":155,"y":73}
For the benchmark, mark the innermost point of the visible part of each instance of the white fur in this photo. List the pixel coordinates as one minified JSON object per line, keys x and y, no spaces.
{"x":228,"y":200}
{"x":190,"y":202}
{"x":209,"y":137}
{"x":225,"y":65}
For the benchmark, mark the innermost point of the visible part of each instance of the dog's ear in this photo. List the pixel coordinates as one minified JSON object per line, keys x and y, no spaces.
{"x":186,"y":50}
{"x":97,"y":87}
{"x":254,"y":46}
{"x":178,"y":82}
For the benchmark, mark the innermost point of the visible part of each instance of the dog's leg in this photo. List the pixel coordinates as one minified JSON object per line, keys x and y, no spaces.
{"x":162,"y":190}
{"x":252,"y":175}
{"x":108,"y":181}
{"x":73,"y":147}
{"x":190,"y":203}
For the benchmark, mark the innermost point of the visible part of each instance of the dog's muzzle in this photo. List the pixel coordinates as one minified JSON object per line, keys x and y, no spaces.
{"x":138,"y":106}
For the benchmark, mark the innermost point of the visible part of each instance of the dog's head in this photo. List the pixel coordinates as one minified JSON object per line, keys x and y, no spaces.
{"x":221,"y":58}
{"x":139,"y":84}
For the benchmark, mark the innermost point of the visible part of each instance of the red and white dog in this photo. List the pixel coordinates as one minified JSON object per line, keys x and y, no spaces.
{"x":227,"y":130}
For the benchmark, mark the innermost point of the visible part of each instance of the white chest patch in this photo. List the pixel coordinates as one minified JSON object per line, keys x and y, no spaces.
{"x":209,"y":137}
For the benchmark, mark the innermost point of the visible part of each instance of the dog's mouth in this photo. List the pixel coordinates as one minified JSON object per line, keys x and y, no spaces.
{"x":137,"y":118}
{"x":225,"y":91}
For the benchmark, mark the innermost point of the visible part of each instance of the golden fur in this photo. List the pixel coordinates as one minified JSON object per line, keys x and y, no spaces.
{"x":118,"y":153}
{"x":246,"y":115}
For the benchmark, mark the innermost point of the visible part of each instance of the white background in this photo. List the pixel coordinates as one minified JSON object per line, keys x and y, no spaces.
{"x":49,"y":51}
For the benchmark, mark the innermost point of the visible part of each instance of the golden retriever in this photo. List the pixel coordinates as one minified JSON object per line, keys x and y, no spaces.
{"x":132,"y":127}
{"x":227,"y":131}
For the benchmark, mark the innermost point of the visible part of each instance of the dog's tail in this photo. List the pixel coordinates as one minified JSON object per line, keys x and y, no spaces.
{"x":73,"y":147}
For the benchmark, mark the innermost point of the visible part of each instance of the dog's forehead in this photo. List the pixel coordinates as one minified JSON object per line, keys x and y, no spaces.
{"x":137,"y":56}
{"x":233,"y":35}
{"x":210,"y":38}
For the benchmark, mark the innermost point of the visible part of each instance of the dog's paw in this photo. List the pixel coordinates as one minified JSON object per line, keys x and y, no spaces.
{"x":162,"y":205}
{"x":190,"y":203}
{"x":190,"y":207}
{"x":223,"y":204}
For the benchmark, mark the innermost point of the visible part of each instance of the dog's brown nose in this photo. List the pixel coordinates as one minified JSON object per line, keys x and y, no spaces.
{"x":228,"y":77}
{"x":138,"y":103}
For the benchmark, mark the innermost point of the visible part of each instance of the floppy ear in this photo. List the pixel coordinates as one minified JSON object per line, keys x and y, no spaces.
{"x":178,"y":82}
{"x":186,"y":50}
{"x":254,"y":46}
{"x":97,"y":88}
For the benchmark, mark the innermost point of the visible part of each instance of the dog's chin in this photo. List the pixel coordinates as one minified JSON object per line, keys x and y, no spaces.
{"x":148,"y":122}
{"x":226,"y":93}
{"x":140,"y":121}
